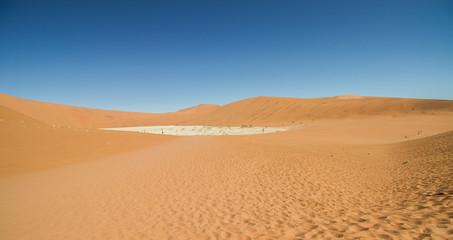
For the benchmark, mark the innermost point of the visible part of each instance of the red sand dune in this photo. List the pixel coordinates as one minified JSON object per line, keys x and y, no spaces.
{"x":358,"y":168}
{"x":257,"y":111}
{"x":79,"y":117}
{"x":200,"y":107}
{"x":28,"y":145}
{"x":287,"y":111}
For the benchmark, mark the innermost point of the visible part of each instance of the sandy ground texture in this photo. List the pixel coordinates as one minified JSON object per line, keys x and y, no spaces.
{"x":231,"y":188}
{"x":378,"y":176}
{"x":200,"y":130}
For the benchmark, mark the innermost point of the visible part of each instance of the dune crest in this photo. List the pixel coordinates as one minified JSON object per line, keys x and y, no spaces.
{"x":262,"y":111}
{"x":80,"y":117}
{"x":275,"y":111}
{"x":201,"y":107}
{"x":349,"y":97}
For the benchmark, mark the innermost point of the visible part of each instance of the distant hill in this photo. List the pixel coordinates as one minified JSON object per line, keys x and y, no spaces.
{"x":201,"y":107}
{"x":257,"y":111}
{"x":29,"y":145}
{"x":278,"y":110}
{"x":65,"y":115}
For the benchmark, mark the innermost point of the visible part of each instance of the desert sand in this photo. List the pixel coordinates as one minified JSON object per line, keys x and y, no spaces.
{"x":359,"y":168}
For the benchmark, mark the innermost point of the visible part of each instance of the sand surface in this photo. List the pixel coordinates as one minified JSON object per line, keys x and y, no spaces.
{"x":230,"y":188}
{"x":377,"y":176}
{"x":28,"y":145}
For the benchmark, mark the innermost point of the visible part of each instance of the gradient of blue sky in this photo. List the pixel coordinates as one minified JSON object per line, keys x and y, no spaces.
{"x":160,"y":56}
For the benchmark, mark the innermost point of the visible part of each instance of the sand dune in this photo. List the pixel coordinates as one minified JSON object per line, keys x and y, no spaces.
{"x":259,"y":111}
{"x":348,"y":97}
{"x":79,"y":117}
{"x":28,"y":145}
{"x":364,"y":168}
{"x":274,"y":111}
{"x":200,"y":107}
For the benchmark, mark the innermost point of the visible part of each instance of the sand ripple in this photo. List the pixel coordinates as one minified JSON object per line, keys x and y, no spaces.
{"x":232,"y":188}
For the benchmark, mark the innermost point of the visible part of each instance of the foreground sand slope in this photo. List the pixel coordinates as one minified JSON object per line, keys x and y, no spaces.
{"x":234,"y":188}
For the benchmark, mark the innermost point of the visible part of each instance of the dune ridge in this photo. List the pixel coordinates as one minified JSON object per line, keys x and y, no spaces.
{"x":259,"y":111}
{"x":80,"y":117}
{"x":287,"y":111}
{"x":200,"y":107}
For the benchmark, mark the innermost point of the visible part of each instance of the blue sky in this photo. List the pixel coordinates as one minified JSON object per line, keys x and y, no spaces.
{"x":161,"y":56}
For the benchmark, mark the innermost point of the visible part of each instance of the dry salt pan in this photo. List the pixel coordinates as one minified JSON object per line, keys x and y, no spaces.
{"x":200,"y":130}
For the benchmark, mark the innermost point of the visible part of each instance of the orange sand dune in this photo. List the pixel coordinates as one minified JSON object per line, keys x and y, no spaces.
{"x":79,"y":117}
{"x":287,"y":111}
{"x":200,"y":107}
{"x":28,"y":145}
{"x":259,"y":111}
{"x":348,"y":97}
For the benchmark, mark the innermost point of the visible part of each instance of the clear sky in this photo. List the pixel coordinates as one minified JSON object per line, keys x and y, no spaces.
{"x":161,"y":56}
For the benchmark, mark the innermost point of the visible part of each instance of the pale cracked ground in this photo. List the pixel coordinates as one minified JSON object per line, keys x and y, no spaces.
{"x":201,"y":130}
{"x":235,"y":188}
